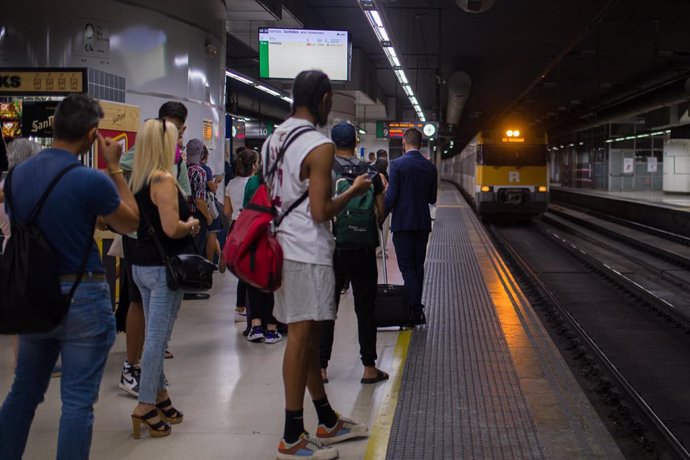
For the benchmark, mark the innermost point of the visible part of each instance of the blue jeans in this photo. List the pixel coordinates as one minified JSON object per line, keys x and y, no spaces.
{"x":160,"y":311}
{"x":84,"y":340}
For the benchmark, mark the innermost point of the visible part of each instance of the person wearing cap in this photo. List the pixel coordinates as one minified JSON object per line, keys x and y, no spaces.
{"x":198,"y":204}
{"x":355,"y":264}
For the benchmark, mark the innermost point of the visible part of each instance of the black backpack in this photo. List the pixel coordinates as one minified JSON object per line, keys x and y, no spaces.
{"x":31,"y":299}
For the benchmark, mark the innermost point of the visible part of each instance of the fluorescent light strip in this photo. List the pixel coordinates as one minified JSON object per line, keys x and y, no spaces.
{"x":246,"y":81}
{"x":376,"y":22}
{"x":268,"y":90}
{"x":377,"y":18}
{"x":258,"y":86}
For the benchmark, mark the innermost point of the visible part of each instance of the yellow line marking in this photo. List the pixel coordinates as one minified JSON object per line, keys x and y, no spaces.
{"x":377,"y":447}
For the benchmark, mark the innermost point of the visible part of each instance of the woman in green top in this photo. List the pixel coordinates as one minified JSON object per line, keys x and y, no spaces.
{"x":264,"y":327}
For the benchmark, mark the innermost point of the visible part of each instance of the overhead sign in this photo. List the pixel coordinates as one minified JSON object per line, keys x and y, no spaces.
{"x":396,"y":129}
{"x":258,"y":129}
{"x":42,"y":81}
{"x":37,"y":118}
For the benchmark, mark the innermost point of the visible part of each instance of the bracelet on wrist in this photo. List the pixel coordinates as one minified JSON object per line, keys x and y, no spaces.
{"x":116,"y":171}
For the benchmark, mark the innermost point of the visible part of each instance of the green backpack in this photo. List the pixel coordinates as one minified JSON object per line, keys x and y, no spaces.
{"x":355,"y":226}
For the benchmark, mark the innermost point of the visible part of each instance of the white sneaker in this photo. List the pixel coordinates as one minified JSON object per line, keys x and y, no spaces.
{"x":129,"y":380}
{"x":240,"y":316}
{"x":272,"y":337}
{"x":344,"y":429}
{"x":305,"y":448}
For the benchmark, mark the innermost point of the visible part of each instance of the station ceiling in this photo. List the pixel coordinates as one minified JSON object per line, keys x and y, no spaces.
{"x":540,"y":63}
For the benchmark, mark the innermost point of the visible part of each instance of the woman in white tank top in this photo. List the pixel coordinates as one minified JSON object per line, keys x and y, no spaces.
{"x":246,"y":165}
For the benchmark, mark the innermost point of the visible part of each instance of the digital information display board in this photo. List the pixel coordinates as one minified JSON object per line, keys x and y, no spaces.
{"x":396,"y":129}
{"x":284,"y":53}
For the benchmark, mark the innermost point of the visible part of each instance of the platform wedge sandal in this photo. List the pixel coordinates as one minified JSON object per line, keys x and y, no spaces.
{"x":156,"y":430}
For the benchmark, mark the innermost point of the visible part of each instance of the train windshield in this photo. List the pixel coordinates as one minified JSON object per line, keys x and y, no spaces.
{"x":512,"y":154}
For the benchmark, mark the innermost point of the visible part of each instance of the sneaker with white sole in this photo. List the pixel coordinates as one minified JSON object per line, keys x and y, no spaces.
{"x":240,"y":316}
{"x":271,"y":337}
{"x":256,"y":335}
{"x":306,"y":447}
{"x":129,"y":380}
{"x":344,"y":428}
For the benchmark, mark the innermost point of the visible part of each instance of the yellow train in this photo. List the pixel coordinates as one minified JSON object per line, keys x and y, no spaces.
{"x":502,"y":173}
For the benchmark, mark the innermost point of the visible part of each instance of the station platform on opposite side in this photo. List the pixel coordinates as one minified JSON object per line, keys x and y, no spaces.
{"x":669,"y":212}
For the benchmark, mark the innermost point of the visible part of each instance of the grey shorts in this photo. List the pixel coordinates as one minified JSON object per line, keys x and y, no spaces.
{"x":307,"y":293}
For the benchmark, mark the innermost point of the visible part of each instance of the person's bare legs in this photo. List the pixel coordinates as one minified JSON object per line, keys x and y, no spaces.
{"x":301,"y":365}
{"x":15,"y":350}
{"x":211,"y":245}
{"x":135,"y":332}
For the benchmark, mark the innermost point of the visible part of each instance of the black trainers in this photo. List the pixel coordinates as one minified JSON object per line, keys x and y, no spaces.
{"x":129,"y":380}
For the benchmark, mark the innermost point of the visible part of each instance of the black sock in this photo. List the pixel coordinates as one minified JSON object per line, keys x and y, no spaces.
{"x":294,"y":425}
{"x":325,"y":412}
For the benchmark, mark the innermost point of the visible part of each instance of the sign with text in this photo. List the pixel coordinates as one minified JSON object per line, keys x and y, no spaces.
{"x":37,"y":118}
{"x":628,"y":165}
{"x":42,"y":81}
{"x":120,"y":123}
{"x":93,"y":39}
{"x":258,"y":129}
{"x":652,"y":164}
{"x":396,"y":129}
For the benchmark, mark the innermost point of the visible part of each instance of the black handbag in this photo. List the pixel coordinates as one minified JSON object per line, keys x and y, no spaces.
{"x":186,"y":272}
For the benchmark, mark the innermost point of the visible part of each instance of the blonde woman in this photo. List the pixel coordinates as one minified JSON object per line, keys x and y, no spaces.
{"x":164,"y":211}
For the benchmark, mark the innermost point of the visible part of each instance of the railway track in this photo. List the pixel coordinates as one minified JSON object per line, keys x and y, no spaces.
{"x":625,"y":333}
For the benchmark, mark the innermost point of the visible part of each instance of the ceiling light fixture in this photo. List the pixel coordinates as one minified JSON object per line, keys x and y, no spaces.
{"x":256,"y":85}
{"x":376,"y":21}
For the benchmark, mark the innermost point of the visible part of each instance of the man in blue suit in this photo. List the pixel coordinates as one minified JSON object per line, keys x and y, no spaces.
{"x":412,"y":188}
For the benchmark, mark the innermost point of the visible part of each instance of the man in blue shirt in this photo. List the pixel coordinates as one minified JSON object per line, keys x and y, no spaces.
{"x":412,"y":188}
{"x":88,"y":331}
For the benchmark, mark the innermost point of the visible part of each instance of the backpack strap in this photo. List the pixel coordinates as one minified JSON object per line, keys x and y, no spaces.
{"x":37,"y":209}
{"x":41,"y":201}
{"x":291,"y":137}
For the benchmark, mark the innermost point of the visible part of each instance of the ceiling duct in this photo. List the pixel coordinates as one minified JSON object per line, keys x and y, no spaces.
{"x":475,"y":6}
{"x":459,"y":85}
{"x":666,"y":96}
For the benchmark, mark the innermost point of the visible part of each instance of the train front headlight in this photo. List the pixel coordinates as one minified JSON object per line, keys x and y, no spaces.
{"x":543,"y":189}
{"x":485,"y":188}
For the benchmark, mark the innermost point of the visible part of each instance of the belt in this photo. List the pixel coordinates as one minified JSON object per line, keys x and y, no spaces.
{"x":87,"y":277}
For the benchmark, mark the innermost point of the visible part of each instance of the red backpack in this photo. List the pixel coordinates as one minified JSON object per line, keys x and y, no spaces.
{"x":251,"y":250}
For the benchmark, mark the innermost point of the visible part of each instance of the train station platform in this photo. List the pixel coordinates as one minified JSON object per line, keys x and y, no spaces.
{"x":668,"y":212}
{"x":482,"y":380}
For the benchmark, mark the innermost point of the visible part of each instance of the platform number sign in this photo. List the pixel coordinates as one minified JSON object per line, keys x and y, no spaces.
{"x":628,"y":165}
{"x":652,"y":164}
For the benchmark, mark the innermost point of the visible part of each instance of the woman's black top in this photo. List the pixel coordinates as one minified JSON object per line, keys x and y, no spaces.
{"x":146,"y":253}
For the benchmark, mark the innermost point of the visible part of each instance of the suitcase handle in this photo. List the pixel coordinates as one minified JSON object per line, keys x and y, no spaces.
{"x":383,"y":255}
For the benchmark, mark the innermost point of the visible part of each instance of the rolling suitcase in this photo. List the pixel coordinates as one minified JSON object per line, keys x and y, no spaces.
{"x":392,"y":304}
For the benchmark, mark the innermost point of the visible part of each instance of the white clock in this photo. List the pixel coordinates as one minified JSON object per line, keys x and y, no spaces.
{"x":429,"y":130}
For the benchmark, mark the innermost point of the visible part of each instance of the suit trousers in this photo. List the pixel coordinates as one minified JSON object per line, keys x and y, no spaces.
{"x":410,"y":249}
{"x":358,"y":266}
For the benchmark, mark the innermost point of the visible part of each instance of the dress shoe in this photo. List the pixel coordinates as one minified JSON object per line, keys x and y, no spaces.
{"x":418,"y":319}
